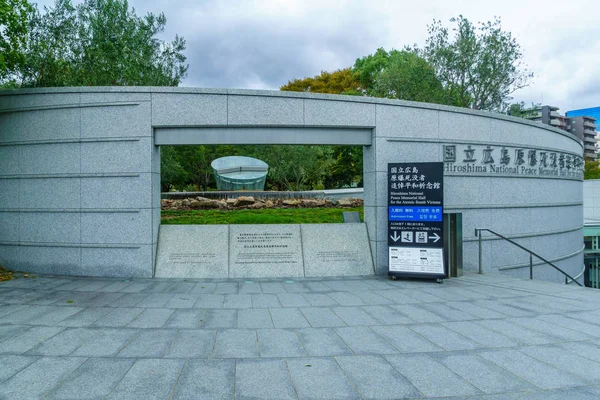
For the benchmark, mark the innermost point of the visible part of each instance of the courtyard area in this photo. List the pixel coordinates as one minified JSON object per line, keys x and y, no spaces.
{"x":476,"y":337}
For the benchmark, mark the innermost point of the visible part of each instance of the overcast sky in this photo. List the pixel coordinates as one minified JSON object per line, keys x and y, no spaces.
{"x":261,"y":44}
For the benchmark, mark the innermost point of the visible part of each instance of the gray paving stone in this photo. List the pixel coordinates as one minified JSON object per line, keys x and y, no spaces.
{"x":288,"y":318}
{"x":93,"y":286}
{"x":263,"y":379}
{"x":317,"y":287}
{"x":531,"y":370}
{"x":295,"y":287}
{"x":444,"y":337}
{"x":129,"y":300}
{"x":449,"y":313}
{"x":149,"y":343}
{"x":405,"y":340}
{"x":373,"y":298}
{"x":279,"y":343}
{"x":95,"y":379}
{"x":387,"y":316}
{"x":292,"y":300}
{"x":265,"y":301}
{"x":182,"y":301}
{"x":204,"y":288}
{"x":36,"y":380}
{"x":346,"y":299}
{"x":589,"y":349}
{"x":8,"y":331}
{"x":226,"y":288}
{"x":192,"y":344}
{"x":360,"y":285}
{"x":249,"y":287}
{"x":557,"y":331}
{"x":28,"y":339}
{"x":149,"y":379}
{"x":321,"y":317}
{"x":118,"y":317}
{"x":155,"y":300}
{"x":236,"y":343}
{"x":319,"y":300}
{"x":565,"y":360}
{"x":85,"y":317}
{"x":320,"y":378}
{"x":12,"y":364}
{"x":484,"y":375}
{"x":63,"y":343}
{"x":509,"y":310}
{"x":220,"y":319}
{"x":151,"y":318}
{"x":477,"y":333}
{"x":272,"y":287}
{"x":422,"y":296}
{"x":576,"y":393}
{"x":105,"y":342}
{"x":115,"y":286}
{"x":418,"y":314}
{"x":186,"y":319}
{"x":322,"y":342}
{"x":516,"y":332}
{"x":206,"y":380}
{"x":431,"y":377}
{"x":254,"y":318}
{"x":375,"y":378}
{"x":101,"y":300}
{"x":338,"y":286}
{"x":397,"y":297}
{"x":210,"y":301}
{"x":444,"y":295}
{"x":579,"y":326}
{"x":136,"y":287}
{"x":363,"y":340}
{"x":475,"y":310}
{"x":354,"y":316}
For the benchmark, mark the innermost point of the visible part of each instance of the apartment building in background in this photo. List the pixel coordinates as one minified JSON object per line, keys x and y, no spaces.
{"x":581,"y":123}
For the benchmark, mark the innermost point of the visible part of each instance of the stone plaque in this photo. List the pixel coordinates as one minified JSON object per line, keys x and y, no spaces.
{"x":336,"y":250}
{"x":265,"y":251}
{"x":192,"y":251}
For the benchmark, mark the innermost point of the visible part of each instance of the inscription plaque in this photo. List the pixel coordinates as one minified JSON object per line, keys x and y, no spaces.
{"x":192,"y":251}
{"x":260,"y":251}
{"x":336,"y":250}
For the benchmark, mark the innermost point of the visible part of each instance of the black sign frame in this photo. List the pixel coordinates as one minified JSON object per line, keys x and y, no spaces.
{"x":415,"y":220}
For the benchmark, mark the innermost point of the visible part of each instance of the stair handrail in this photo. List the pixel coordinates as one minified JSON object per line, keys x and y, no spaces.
{"x":531,"y":254}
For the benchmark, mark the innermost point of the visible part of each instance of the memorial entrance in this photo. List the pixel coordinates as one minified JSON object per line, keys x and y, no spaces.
{"x":263,"y":250}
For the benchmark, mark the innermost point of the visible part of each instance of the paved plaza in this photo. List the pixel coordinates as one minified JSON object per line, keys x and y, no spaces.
{"x":476,"y":337}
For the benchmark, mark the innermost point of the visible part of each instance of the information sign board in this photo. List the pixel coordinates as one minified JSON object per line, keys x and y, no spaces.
{"x":415,"y":209}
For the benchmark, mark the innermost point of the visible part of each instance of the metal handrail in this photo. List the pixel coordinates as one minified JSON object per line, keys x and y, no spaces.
{"x":531,"y":254}
{"x":577,"y":277}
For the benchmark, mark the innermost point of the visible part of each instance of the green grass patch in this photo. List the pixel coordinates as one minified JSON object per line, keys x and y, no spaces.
{"x":264,"y":216}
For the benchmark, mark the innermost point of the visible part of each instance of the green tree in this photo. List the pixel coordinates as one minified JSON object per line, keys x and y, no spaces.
{"x":479,"y":66}
{"x":14,"y":18}
{"x":172,"y":175}
{"x":100,"y":43}
{"x":591,"y":169}
{"x":342,"y":81}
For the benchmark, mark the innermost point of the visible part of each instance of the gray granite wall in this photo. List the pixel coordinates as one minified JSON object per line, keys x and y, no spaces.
{"x":71,"y":157}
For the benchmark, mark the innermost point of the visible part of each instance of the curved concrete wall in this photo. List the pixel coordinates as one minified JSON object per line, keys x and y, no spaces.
{"x":80,"y":171}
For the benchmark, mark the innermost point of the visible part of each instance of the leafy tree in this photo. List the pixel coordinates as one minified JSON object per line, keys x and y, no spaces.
{"x":521,"y":111}
{"x":172,"y":175}
{"x":479,"y":66}
{"x":100,"y":42}
{"x":14,"y":17}
{"x":342,"y":81}
{"x":591,"y":169}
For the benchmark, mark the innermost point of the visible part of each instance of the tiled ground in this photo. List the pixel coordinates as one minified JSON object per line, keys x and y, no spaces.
{"x":480,"y":337}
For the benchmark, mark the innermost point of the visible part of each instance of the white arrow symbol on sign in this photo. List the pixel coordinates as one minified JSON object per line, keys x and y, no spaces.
{"x":395,"y":237}
{"x":435,"y":237}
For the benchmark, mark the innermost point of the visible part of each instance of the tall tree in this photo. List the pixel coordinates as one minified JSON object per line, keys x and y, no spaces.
{"x":100,"y":42}
{"x":342,"y":81}
{"x":14,"y":18}
{"x":479,"y":66}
